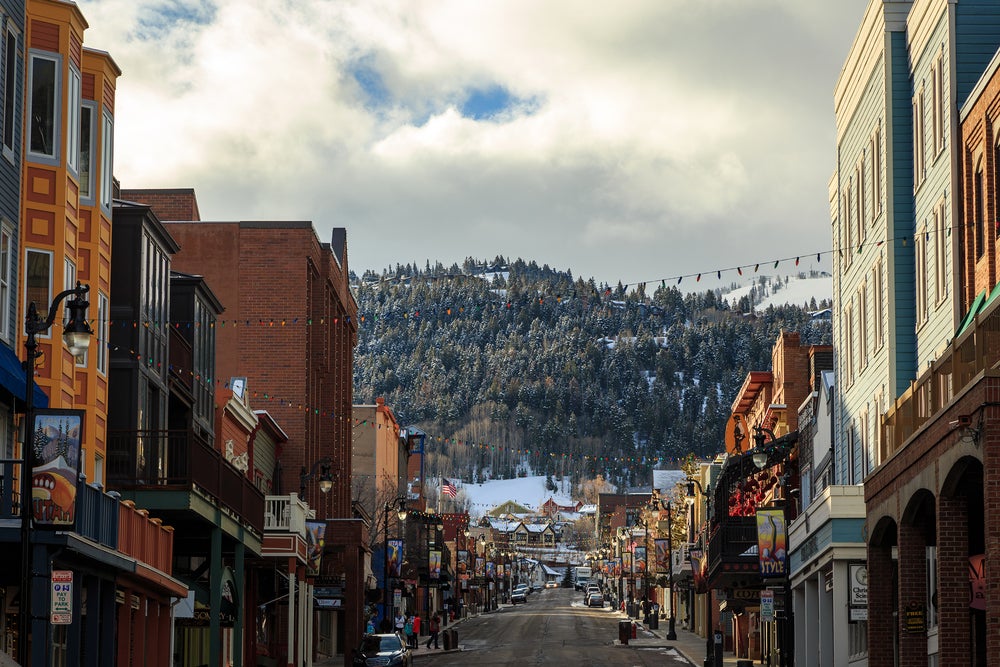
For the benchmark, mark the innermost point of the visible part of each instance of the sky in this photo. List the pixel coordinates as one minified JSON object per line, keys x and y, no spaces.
{"x":629,"y":142}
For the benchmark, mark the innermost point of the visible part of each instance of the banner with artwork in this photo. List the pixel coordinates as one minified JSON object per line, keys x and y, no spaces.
{"x":480,"y":566}
{"x":699,"y":570}
{"x":462,"y":564}
{"x":55,"y":467}
{"x":617,"y":567}
{"x":434,"y":564}
{"x":491,"y":569}
{"x":662,"y":549}
{"x":640,"y":560}
{"x":627,"y":562}
{"x":395,"y":558}
{"x":315,"y":538}
{"x":771,"y":542}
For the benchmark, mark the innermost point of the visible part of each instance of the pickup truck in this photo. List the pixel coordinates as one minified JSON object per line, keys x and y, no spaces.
{"x":519,"y":594}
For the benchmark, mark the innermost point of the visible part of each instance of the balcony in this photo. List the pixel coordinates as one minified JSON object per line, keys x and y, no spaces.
{"x":145,"y":539}
{"x":976,"y":350}
{"x":680,"y":562}
{"x":96,"y":511}
{"x":177,"y":461}
{"x":286,"y":514}
{"x":732,"y":549}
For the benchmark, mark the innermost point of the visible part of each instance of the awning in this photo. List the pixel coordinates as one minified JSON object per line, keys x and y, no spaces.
{"x":12,"y":378}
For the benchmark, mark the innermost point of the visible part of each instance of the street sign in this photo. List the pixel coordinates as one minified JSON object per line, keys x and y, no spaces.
{"x":61,"y":607}
{"x":767,"y":606}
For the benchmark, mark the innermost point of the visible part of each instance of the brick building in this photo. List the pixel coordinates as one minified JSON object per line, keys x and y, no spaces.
{"x":290,"y":329}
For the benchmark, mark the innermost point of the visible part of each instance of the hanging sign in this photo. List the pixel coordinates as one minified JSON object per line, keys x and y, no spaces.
{"x":61,"y":608}
{"x":767,"y":605}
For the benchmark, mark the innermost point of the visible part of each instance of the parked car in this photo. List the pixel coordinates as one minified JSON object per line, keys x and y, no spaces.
{"x":388,"y":650}
{"x":552,"y":584}
{"x":591,"y":589}
{"x":519,"y":594}
{"x":536,"y":586}
{"x":595,"y":600}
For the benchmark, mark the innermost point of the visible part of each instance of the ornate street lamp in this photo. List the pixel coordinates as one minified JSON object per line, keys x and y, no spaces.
{"x":690,"y":501}
{"x":325,"y":478}
{"x":665,"y":504}
{"x":399,"y":505}
{"x":76,"y":336}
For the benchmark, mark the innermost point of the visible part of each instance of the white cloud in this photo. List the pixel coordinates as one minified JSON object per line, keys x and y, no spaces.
{"x":656,"y":137}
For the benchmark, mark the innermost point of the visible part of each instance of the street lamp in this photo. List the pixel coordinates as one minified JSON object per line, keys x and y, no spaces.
{"x":642,"y":523}
{"x":761,"y":458}
{"x":76,"y":336}
{"x":622,"y":534}
{"x":325,"y":478}
{"x":710,"y":657}
{"x":399,"y":504}
{"x":665,"y":504}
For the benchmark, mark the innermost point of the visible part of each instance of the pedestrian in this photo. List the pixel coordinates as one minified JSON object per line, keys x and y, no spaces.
{"x":415,"y":621}
{"x":400,"y":623}
{"x":408,"y":630}
{"x":370,"y":628}
{"x":434,"y":627}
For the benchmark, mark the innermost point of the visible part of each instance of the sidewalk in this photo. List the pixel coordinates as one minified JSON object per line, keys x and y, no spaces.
{"x":690,"y":645}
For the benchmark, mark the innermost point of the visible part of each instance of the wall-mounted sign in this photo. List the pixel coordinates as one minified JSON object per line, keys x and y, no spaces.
{"x":61,"y":608}
{"x":914,"y":619}
{"x":767,"y":606}
{"x":772,"y":541}
{"x":858,"y":573}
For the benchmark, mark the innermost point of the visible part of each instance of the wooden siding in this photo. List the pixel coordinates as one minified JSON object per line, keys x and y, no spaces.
{"x":977,"y":29}
{"x":10,"y":169}
{"x":44,"y":35}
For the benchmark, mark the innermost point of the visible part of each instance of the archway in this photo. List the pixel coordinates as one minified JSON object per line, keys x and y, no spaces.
{"x":883,"y":596}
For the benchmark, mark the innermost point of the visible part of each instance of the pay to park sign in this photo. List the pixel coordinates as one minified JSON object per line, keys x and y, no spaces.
{"x":61,"y":609}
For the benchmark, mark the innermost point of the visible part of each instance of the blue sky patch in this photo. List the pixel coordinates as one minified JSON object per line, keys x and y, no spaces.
{"x":369,"y":80}
{"x":156,"y":21}
{"x":488,"y":103}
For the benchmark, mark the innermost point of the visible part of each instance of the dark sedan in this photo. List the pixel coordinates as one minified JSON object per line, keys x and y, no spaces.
{"x":383,"y":651}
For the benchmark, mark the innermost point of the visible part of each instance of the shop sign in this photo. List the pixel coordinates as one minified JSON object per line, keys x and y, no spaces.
{"x":914,"y":620}
{"x":859,"y":584}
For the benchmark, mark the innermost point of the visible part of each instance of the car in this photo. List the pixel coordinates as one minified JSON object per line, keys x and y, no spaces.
{"x":591,"y":589}
{"x":552,"y":584}
{"x":519,"y":595}
{"x":536,"y":586}
{"x":382,"y":650}
{"x":595,"y":600}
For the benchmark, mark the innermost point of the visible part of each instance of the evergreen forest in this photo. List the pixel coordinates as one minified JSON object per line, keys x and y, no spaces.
{"x":511,"y":368}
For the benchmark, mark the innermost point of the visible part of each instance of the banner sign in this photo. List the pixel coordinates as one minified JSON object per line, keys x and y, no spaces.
{"x":491,"y":569}
{"x":699,"y":570}
{"x":662,"y":555}
{"x":315,"y":538}
{"x":395,"y":558}
{"x":771,"y":542}
{"x":55,"y":467}
{"x":480,"y":565}
{"x":640,"y":560}
{"x":462,"y":564}
{"x":627,"y":562}
{"x":977,"y":582}
{"x":434,"y":564}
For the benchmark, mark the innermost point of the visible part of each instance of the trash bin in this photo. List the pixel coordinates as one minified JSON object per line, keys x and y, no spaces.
{"x":446,"y":635}
{"x":654,"y":621}
{"x":454,"y":639}
{"x":624,"y":632}
{"x":744,"y":663}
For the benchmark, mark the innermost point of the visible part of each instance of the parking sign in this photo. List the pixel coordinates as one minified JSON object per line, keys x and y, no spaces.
{"x":61,"y":608}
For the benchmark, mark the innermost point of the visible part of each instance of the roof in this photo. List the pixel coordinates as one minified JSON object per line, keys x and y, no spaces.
{"x":537,"y":527}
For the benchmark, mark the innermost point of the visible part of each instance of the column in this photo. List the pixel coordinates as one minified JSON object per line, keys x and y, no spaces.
{"x":292,"y":634}
{"x":241,"y":577}
{"x":912,"y":590}
{"x":833,"y":606}
{"x":881,"y":619}
{"x":124,"y":626}
{"x":215,"y":597}
{"x":807,"y":635}
{"x":954,"y":628}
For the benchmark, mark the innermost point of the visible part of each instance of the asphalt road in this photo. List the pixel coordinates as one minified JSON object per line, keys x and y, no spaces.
{"x":553,"y":628}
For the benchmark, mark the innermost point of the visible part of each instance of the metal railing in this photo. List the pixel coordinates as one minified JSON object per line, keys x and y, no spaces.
{"x":968,"y":355}
{"x":178,"y":460}
{"x":734,"y":540}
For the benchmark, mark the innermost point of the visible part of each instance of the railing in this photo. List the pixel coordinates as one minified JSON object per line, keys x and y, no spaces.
{"x":286,"y":514}
{"x":680,"y":559}
{"x":177,"y":460}
{"x":976,"y":350}
{"x":734,"y":540}
{"x":145,"y":539}
{"x":10,"y":488}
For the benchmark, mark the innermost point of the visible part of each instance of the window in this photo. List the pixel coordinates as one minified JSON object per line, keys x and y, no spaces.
{"x":73,"y":120}
{"x":38,"y":281}
{"x":864,"y":443}
{"x":107,"y":154}
{"x":69,"y":282}
{"x":98,"y":470}
{"x":859,"y":203}
{"x":918,"y":139}
{"x":849,"y":249}
{"x":920,"y":259}
{"x":9,"y":90}
{"x":979,"y":210}
{"x":863,"y":326}
{"x":88,"y":130}
{"x":940,"y":257}
{"x":851,"y":455}
{"x":848,"y":334}
{"x":102,"y":333}
{"x":6,"y":248}
{"x":932,"y":585}
{"x":937,"y":74}
{"x":876,"y":147}
{"x":878,"y":402}
{"x":878,"y":316}
{"x":43,"y":106}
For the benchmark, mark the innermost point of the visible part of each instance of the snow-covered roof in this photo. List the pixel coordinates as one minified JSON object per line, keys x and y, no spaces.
{"x":665,"y":481}
{"x":549,"y":572}
{"x":503,"y":525}
{"x":537,"y":527}
{"x":588,"y":509}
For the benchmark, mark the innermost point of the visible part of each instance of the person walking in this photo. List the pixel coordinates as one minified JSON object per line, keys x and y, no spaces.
{"x":434,"y":627}
{"x":408,"y":630}
{"x":400,"y":623}
{"x":416,"y":631}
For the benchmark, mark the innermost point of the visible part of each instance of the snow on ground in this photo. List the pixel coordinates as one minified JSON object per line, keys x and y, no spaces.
{"x":527,"y":491}
{"x":798,"y":291}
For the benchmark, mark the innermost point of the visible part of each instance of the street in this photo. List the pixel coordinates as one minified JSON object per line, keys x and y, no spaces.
{"x":553,"y":628}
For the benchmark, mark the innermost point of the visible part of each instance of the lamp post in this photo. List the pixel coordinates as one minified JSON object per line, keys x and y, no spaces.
{"x":622,"y":533}
{"x":710,"y":657}
{"x":761,"y":458}
{"x":325,"y":478}
{"x":671,"y":629}
{"x":76,"y":335}
{"x":399,"y":504}
{"x":642,"y":523}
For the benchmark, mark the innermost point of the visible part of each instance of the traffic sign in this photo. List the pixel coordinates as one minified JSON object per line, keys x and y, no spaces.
{"x":61,"y":607}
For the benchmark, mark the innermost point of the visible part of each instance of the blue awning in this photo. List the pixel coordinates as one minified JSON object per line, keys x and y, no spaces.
{"x":12,"y":378}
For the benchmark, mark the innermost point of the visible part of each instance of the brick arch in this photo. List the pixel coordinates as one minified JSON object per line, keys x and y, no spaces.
{"x":964,"y":476}
{"x":883,"y":533}
{"x":882,"y":596}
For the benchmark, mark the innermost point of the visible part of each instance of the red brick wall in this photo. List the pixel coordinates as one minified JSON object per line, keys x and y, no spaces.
{"x":880,"y":605}
{"x":176,"y":204}
{"x":953,"y":581}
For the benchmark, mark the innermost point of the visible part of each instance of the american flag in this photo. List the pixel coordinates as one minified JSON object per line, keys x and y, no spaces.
{"x":448,"y":488}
